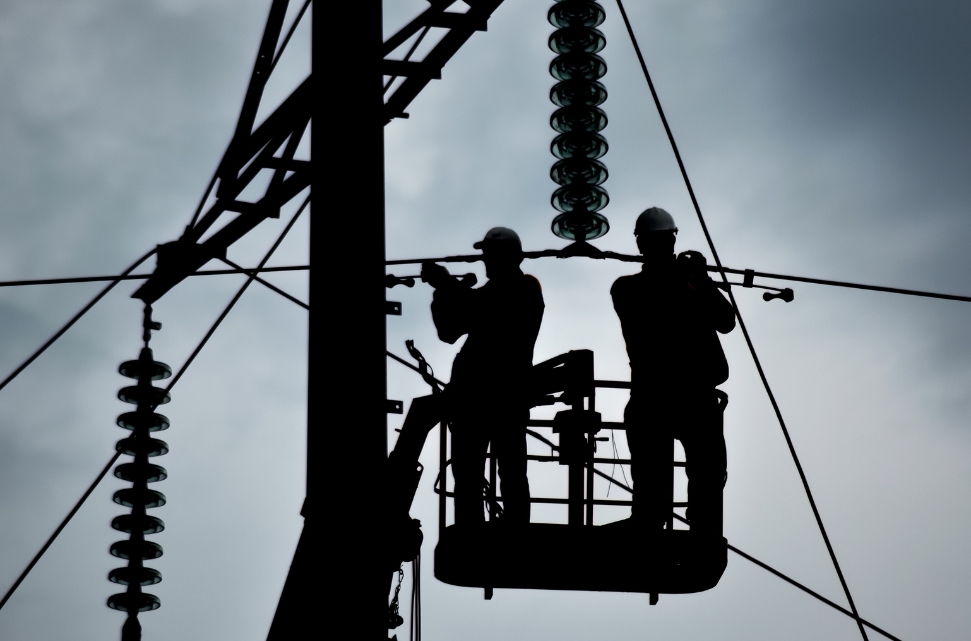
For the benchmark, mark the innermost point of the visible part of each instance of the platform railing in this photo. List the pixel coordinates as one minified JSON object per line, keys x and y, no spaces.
{"x":581,"y":502}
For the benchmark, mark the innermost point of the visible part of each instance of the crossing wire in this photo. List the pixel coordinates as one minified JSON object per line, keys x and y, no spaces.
{"x":748,"y":339}
{"x":127,"y":276}
{"x":286,"y":39}
{"x":748,"y":557}
{"x":215,"y":174}
{"x":175,"y":379}
{"x":70,"y":323}
{"x":252,"y":275}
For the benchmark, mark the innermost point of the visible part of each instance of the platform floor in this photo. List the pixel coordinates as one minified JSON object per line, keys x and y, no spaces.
{"x":608,"y":558}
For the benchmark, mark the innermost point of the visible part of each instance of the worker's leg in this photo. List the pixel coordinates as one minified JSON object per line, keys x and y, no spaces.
{"x":469,"y":443}
{"x":509,"y":446}
{"x":706,"y":463}
{"x":651,"y":446}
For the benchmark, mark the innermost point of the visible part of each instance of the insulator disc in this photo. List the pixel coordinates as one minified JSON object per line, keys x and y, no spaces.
{"x":149,"y":446}
{"x":577,"y":40}
{"x":580,"y":226}
{"x":140,"y":370}
{"x":130,"y":497}
{"x":578,"y":66}
{"x":578,"y":170}
{"x":576,"y":13}
{"x":578,"y":118}
{"x":154,"y":422}
{"x":148,"y":472}
{"x":579,"y":145}
{"x":578,"y":92}
{"x":145,"y":550}
{"x":137,"y":523}
{"x":137,"y":394}
{"x":580,"y":198}
{"x":141,"y":576}
{"x":137,"y":602}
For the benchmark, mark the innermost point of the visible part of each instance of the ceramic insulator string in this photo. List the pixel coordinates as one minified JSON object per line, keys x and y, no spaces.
{"x":579,"y":119}
{"x":141,"y":446}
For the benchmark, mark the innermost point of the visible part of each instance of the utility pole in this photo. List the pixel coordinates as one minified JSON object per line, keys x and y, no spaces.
{"x":347,"y":429}
{"x":339,"y":578}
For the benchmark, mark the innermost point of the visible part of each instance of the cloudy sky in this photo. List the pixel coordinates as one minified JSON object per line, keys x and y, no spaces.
{"x":826,"y":139}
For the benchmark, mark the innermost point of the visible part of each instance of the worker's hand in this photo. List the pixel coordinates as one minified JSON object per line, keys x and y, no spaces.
{"x":693,"y":261}
{"x":435,"y":275}
{"x":695,"y":266}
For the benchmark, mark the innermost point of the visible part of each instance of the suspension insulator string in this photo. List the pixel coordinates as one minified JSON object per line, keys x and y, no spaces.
{"x":578,"y":120}
{"x":139,"y":472}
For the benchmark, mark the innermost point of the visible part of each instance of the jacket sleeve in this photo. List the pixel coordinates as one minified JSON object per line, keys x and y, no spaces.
{"x":625,"y":304}
{"x":720,"y":311}
{"x":450,"y":312}
{"x":537,"y":307}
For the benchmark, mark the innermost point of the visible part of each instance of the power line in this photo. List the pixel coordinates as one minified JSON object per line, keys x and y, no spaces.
{"x":168,"y":388}
{"x":215,"y":174}
{"x":286,"y":39}
{"x":741,"y":322}
{"x":765,"y":566}
{"x":84,"y":310}
{"x":239,"y":293}
{"x":67,"y":519}
{"x":629,"y":258}
{"x":840,"y":283}
{"x":266,"y":284}
{"x":128,"y":276}
{"x":805,"y":589}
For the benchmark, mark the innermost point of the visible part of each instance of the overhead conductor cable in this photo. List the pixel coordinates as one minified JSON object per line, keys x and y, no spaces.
{"x":741,"y":323}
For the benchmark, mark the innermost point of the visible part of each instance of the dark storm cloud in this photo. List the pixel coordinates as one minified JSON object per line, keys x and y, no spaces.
{"x":114,"y":110}
{"x":112,"y":118}
{"x":823,"y":138}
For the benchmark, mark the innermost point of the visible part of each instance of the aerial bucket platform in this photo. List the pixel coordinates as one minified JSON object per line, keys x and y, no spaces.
{"x":550,"y":556}
{"x":577,"y":555}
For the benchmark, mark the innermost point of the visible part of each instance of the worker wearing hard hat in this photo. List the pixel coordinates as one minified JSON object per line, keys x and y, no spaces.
{"x":670,"y":313}
{"x":486,"y":399}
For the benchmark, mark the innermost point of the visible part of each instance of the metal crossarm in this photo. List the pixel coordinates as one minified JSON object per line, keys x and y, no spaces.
{"x":417,"y":75}
{"x":250,"y":152}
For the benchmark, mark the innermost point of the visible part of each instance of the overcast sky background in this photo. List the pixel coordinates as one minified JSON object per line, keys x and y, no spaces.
{"x":826,"y":139}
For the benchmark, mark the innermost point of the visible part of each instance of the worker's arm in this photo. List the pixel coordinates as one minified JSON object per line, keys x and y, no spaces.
{"x":627,"y":302}
{"x":450,"y":303}
{"x":718,"y":310}
{"x":535,"y":308}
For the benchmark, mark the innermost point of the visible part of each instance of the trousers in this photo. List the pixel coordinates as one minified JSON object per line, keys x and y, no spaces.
{"x":653,"y":422}
{"x":471,"y":437}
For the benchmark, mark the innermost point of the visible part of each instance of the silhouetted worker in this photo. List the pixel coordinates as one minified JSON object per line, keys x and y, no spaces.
{"x":670,"y":313}
{"x":486,"y":399}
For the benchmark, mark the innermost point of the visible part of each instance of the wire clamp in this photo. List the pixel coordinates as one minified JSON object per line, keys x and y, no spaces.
{"x":749,"y":278}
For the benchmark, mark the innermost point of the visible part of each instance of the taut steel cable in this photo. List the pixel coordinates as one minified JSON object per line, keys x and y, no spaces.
{"x":741,"y":323}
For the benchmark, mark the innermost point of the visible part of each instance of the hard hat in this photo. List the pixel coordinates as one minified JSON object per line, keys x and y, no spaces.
{"x":501,"y":239}
{"x":654,"y":219}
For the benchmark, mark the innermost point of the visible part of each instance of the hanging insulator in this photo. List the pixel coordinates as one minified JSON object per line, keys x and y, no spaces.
{"x":139,"y":472}
{"x":579,"y":119}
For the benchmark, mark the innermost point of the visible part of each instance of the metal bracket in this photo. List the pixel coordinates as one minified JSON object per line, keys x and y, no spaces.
{"x":749,"y":278}
{"x":392,"y":308}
